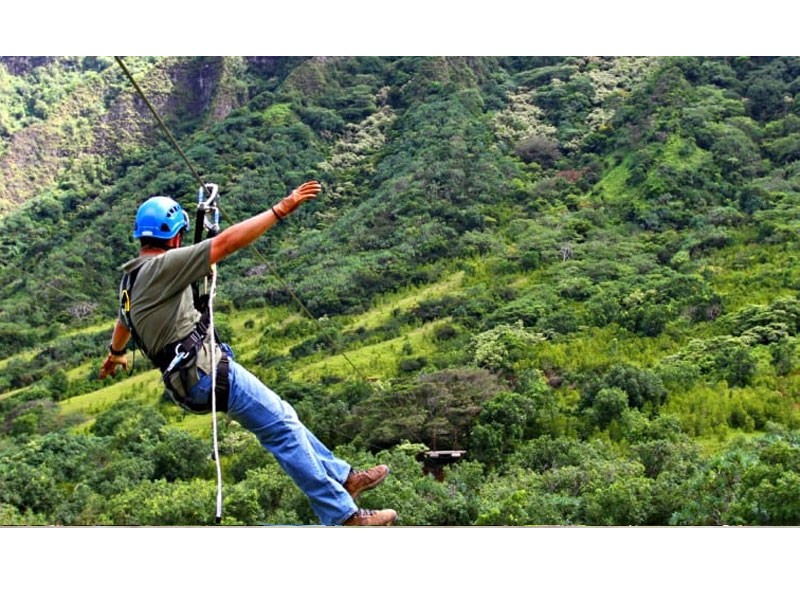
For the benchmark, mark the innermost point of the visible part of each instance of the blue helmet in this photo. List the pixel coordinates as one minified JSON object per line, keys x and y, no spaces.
{"x":160,"y":217}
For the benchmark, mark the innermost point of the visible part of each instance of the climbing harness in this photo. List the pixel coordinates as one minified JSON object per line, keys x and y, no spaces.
{"x":177,"y":360}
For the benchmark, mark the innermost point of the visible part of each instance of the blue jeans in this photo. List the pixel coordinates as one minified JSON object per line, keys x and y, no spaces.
{"x":314,"y":468}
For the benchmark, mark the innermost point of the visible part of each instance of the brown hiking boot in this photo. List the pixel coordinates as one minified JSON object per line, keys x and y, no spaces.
{"x":371,"y":517}
{"x":361,"y":481}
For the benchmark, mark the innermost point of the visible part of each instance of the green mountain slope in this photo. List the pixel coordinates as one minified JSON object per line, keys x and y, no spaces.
{"x":579,"y":270}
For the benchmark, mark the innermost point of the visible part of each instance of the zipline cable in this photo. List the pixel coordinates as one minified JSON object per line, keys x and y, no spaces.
{"x":203,"y":184}
{"x":160,"y":121}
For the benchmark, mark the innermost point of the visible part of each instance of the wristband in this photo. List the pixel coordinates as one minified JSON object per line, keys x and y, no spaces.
{"x":116,"y":352}
{"x":275,"y":212}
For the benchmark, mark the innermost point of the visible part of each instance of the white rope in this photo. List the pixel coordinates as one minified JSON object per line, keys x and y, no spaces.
{"x":211,"y":293}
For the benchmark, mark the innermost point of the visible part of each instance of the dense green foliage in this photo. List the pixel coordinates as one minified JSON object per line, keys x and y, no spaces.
{"x":580,"y":270}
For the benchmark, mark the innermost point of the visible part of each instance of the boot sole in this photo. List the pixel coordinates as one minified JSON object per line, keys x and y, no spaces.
{"x":386,"y":524}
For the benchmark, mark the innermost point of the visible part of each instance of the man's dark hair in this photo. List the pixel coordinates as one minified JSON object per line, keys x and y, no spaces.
{"x":151,"y":242}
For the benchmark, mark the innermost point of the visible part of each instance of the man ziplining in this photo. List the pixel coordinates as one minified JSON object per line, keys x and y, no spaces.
{"x":158,"y":310}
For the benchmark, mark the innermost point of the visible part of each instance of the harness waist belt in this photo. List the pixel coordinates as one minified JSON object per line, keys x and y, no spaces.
{"x":189,"y":345}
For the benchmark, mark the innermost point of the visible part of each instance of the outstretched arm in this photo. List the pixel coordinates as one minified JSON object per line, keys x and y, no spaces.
{"x":246,"y":232}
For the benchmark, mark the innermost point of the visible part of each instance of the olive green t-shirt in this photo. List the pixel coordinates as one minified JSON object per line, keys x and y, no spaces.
{"x":162,"y":308}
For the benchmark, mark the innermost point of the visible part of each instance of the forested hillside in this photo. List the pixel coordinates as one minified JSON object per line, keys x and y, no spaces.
{"x":581,"y":272}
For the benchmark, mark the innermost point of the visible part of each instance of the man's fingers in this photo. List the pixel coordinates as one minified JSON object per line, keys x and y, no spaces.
{"x":308,"y":190}
{"x":310,"y":186}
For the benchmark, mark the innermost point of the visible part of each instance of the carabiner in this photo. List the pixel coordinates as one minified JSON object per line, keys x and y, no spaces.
{"x":179,"y":356}
{"x":211,"y":225}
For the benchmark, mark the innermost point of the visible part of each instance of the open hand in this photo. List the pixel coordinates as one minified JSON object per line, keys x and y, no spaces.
{"x":307,"y":191}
